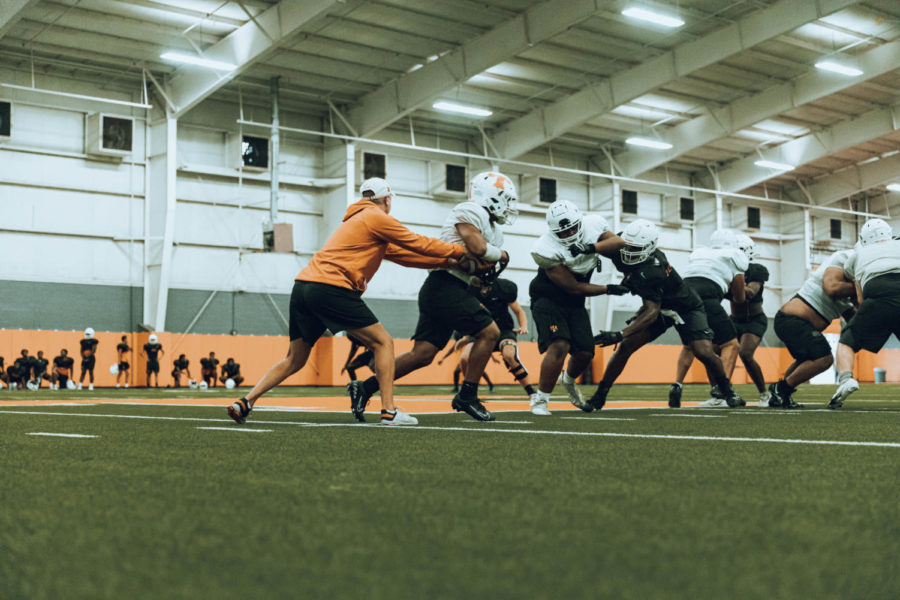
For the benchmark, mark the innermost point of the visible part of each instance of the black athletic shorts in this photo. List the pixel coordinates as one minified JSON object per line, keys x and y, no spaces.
{"x":757,"y":325}
{"x":878,"y":315}
{"x":556,"y":322}
{"x":446,"y":305}
{"x":88,"y":362}
{"x":802,"y":340}
{"x":316,"y":307}
{"x":718,"y":320}
{"x":124,"y":366}
{"x":695,"y":326}
{"x":152,"y":366}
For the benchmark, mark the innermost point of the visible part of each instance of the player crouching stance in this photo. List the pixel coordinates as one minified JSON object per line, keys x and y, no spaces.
{"x":445,"y":303}
{"x":823,"y":297}
{"x":327,"y":293}
{"x":875,"y":266}
{"x":566,"y":257}
{"x":667,"y":301}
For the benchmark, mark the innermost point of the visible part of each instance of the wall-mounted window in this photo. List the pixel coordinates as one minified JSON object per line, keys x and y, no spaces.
{"x":547,"y":190}
{"x":456,"y":178}
{"x":753,"y":217}
{"x":629,"y":202}
{"x":5,"y":119}
{"x":255,"y":152}
{"x":687,"y":209}
{"x":373,"y":165}
{"x":835,"y":229}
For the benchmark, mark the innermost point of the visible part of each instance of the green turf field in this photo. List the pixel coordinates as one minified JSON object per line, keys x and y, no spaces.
{"x":650,"y":503}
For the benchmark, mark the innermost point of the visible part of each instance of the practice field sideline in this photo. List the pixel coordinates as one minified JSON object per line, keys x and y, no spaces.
{"x":637,"y":501}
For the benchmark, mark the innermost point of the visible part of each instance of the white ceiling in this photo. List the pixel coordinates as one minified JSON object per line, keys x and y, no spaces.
{"x":736,"y":83}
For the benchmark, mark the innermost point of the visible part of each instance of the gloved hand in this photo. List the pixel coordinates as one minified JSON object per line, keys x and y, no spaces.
{"x":608,"y":338}
{"x":582,"y":248}
{"x":617,"y":290}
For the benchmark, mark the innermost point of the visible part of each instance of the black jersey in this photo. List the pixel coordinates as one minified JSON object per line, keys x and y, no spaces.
{"x":497,"y":300}
{"x":23,"y":365}
{"x":656,"y":280}
{"x":63,"y":362}
{"x":39,"y":365}
{"x":757,"y":273}
{"x":152,"y":350}
{"x":123,"y":347}
{"x":181,"y":364}
{"x":89,"y":346}
{"x":231,"y":370}
{"x":209,"y":364}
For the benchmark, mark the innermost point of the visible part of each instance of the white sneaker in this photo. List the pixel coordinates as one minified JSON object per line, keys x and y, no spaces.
{"x":91,"y":387}
{"x":539,"y":405}
{"x":844,"y":390}
{"x":398,"y":418}
{"x":764,"y":399}
{"x":79,"y":386}
{"x":713,"y":403}
{"x":126,"y":386}
{"x":117,"y":385}
{"x":575,"y":396}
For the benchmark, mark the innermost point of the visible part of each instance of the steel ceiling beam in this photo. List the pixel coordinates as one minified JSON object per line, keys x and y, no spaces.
{"x":250,"y":43}
{"x":399,"y":97}
{"x":543,"y":125}
{"x":11,"y":11}
{"x":745,"y":112}
{"x":743,"y":173}
{"x":854,"y":180}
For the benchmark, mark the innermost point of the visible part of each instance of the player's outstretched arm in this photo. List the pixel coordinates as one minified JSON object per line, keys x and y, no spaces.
{"x":738,"y":289}
{"x":608,"y":244}
{"x":392,"y":231}
{"x":563,"y":277}
{"x":836,"y":284}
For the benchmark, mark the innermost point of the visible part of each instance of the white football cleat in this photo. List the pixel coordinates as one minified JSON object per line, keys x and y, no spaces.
{"x":844,"y":390}
{"x":126,"y":386}
{"x":539,"y":406}
{"x":79,"y":386}
{"x":764,"y":399}
{"x":713,"y":403}
{"x":398,"y":418}
{"x":575,"y":396}
{"x":91,"y":387}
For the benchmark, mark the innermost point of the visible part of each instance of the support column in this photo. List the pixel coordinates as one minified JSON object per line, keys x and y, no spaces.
{"x":159,"y":219}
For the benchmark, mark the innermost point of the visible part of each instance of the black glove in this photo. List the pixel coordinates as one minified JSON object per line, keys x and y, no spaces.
{"x":617,"y":290}
{"x":582,"y":248}
{"x":608,"y":338}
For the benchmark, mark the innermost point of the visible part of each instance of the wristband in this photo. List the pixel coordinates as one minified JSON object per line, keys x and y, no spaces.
{"x":492,"y":253}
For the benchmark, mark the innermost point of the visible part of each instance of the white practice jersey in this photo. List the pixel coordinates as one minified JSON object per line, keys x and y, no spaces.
{"x":814,"y":294}
{"x":549,"y":252}
{"x":868,"y":262}
{"x":469,"y":212}
{"x":720,"y":265}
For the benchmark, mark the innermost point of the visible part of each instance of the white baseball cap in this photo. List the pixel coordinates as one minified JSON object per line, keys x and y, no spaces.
{"x":376,"y":188}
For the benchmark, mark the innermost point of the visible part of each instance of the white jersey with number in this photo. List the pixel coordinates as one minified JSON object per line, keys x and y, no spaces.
{"x":814,"y":294}
{"x":720,"y":265}
{"x":473,"y":214}
{"x":868,"y":262}
{"x":549,"y":252}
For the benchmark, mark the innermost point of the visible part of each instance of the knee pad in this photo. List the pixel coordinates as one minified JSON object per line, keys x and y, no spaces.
{"x":519,"y":372}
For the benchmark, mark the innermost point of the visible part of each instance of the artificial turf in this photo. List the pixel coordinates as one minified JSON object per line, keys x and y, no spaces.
{"x":321,"y":508}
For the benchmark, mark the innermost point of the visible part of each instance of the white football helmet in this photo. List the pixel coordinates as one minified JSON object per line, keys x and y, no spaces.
{"x":229,"y":383}
{"x":114,"y":369}
{"x":746,"y":245}
{"x":192,"y":384}
{"x":874,"y":231}
{"x":563,"y":216}
{"x":641,"y":237}
{"x":497,"y":193}
{"x":203,"y":385}
{"x":89,"y":333}
{"x":723,"y":238}
{"x":153,"y":338}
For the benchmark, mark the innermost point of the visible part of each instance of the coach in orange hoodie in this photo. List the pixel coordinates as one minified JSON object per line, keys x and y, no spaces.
{"x":327,"y":293}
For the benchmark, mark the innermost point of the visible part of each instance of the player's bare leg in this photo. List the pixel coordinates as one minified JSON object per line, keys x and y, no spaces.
{"x":749,"y":343}
{"x":480,"y":354}
{"x":728,"y":353}
{"x":376,"y":338}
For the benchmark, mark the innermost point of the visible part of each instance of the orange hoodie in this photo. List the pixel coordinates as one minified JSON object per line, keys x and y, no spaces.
{"x":368,"y":235}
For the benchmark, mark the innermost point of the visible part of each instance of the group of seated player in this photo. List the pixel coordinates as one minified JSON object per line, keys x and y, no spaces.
{"x":230,"y":371}
{"x":463,"y":293}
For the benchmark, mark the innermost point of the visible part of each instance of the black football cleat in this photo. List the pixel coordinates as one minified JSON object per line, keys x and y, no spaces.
{"x":239,"y":411}
{"x":358,"y":400}
{"x":597,"y":401}
{"x":733,"y":400}
{"x":473,"y":407}
{"x":675,"y":395}
{"x":777,"y":398}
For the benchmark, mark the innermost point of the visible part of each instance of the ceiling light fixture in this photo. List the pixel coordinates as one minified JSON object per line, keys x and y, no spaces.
{"x":647,"y":143}
{"x":894,"y":187}
{"x":199,"y":61}
{"x":648,"y":15}
{"x":462,"y":109}
{"x":769,"y":164}
{"x":830,"y":65}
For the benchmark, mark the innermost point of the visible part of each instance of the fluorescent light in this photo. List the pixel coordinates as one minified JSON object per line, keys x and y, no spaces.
{"x":647,"y":15}
{"x":768,"y":164}
{"x":193,"y":59}
{"x":828,"y":65}
{"x":462,"y":109}
{"x":893,"y":187}
{"x":639,"y":141}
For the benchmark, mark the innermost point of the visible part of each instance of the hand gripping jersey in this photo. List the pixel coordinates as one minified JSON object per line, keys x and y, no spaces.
{"x":497,"y":301}
{"x":548,"y":251}
{"x":812,"y":292}
{"x":654,"y":279}
{"x":870,"y":261}
{"x":719,"y":265}
{"x":473,"y":214}
{"x":756,"y":273}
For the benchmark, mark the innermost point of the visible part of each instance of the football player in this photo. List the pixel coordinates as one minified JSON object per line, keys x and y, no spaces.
{"x":327,"y":292}
{"x":231,"y":370}
{"x":88,"y":356}
{"x":713,"y":273}
{"x":827,"y":294}
{"x":446,"y":305}
{"x":567,"y":256}
{"x":499,"y":298}
{"x":153,"y":350}
{"x":180,"y":365}
{"x":62,"y":369}
{"x":121,"y":351}
{"x":208,"y":367}
{"x":749,"y":319}
{"x":23,"y":367}
{"x":875,"y":266}
{"x":667,"y":301}
{"x":39,"y":366}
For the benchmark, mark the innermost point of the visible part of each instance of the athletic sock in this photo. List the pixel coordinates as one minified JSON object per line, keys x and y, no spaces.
{"x":724,"y":385}
{"x":566,"y":378}
{"x":678,"y":384}
{"x":784,"y":388}
{"x":469,"y":390}
{"x":844,"y":376}
{"x":389,"y":415}
{"x":530,"y":390}
{"x":370,"y":385}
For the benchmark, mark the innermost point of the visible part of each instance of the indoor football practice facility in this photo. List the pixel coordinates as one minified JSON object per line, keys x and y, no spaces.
{"x":449,"y":299}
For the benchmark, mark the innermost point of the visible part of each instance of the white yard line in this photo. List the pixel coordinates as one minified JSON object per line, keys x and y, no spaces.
{"x":691,"y":416}
{"x":242,"y":429}
{"x":493,"y":430}
{"x":600,"y":418}
{"x":65,"y":435}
